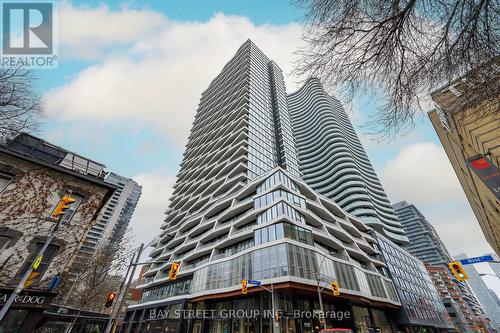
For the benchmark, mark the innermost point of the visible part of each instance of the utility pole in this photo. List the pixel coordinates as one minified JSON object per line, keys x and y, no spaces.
{"x":275,"y":329}
{"x":56,"y":215}
{"x":318,"y":279}
{"x":122,"y":284}
{"x":113,"y":322}
{"x":269,"y":290}
{"x":322,"y":314}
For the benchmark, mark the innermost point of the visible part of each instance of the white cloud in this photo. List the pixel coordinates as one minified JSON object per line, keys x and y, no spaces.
{"x":87,"y":30}
{"x":458,"y":228}
{"x":157,"y":81}
{"x":421,"y":173}
{"x":149,"y":214}
{"x":151,"y":70}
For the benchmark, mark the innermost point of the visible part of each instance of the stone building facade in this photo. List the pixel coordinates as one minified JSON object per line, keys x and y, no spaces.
{"x":31,"y":184}
{"x":470,"y":137}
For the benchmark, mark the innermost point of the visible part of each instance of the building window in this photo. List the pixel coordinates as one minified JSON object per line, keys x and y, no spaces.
{"x":4,"y":242}
{"x":47,"y":258}
{"x":280,"y":230}
{"x":5,"y":179}
{"x":66,"y":218}
{"x":13,"y":320}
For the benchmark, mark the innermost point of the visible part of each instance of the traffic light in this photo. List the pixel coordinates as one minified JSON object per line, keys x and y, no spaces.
{"x":458,"y":271}
{"x":62,"y":206}
{"x":174,"y":269}
{"x":244,"y":287}
{"x":335,"y":288}
{"x":110,"y":299}
{"x":277,"y":316}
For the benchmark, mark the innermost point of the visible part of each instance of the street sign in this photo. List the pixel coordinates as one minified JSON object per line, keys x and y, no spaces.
{"x":31,"y":279}
{"x":37,"y":262}
{"x":475,"y":260}
{"x":255,"y":282}
{"x":55,"y":281}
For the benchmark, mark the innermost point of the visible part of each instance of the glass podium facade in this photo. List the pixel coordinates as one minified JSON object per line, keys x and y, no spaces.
{"x":251,"y":315}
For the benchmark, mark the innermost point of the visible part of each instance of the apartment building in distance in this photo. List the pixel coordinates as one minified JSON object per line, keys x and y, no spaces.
{"x":451,"y":294}
{"x":34,"y":176}
{"x":471,"y":139}
{"x":481,"y":290}
{"x":115,"y":216}
{"x":426,"y":245}
{"x":495,"y":264}
{"x":425,"y":242}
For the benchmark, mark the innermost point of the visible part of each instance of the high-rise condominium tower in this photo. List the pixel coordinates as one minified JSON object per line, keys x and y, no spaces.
{"x":495,"y":265}
{"x":425,"y":243}
{"x":489,"y":303}
{"x":334,"y":163}
{"x":240,"y":211}
{"x":114,"y":217}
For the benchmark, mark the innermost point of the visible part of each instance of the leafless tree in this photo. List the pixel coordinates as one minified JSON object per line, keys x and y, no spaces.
{"x":402,"y":50}
{"x":20,"y":106}
{"x":93,"y":278}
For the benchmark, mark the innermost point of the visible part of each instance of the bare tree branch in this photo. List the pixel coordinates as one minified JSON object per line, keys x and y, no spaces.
{"x":402,"y":50}
{"x":20,"y":107}
{"x":93,"y":278}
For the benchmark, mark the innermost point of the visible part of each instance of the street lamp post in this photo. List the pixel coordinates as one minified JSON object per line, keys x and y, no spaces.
{"x":318,"y":279}
{"x":113,"y":320}
{"x":115,"y":312}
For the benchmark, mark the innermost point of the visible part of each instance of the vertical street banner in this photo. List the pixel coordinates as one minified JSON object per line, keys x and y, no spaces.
{"x":487,"y":172}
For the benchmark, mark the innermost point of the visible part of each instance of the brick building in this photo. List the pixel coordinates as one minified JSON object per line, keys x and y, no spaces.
{"x":463,"y":318}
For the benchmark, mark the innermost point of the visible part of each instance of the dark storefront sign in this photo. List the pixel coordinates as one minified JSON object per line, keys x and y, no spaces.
{"x":26,"y":312}
{"x":487,"y":172}
{"x":27,"y":298}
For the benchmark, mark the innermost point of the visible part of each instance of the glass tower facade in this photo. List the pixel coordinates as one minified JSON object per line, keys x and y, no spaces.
{"x":114,"y":217}
{"x":333,"y":161}
{"x":422,"y":305}
{"x":241,"y":211}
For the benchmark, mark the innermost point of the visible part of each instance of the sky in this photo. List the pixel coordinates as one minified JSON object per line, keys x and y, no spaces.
{"x":130,"y":77}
